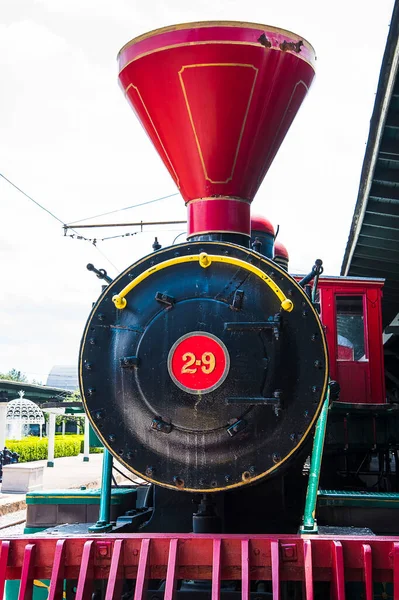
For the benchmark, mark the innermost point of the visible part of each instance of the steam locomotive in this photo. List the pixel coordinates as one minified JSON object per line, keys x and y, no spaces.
{"x":203,"y":367}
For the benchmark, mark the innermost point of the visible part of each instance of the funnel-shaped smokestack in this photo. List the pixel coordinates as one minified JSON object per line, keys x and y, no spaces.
{"x":217,"y":99}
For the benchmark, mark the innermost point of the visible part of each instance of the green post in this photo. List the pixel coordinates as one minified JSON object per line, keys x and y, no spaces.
{"x":103,"y":523}
{"x":309,"y":524}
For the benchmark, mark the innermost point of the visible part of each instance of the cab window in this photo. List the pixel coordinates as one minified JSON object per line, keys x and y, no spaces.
{"x":350,"y":328}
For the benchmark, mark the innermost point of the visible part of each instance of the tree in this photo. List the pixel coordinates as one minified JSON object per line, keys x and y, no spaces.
{"x":73,"y":397}
{"x":14,"y":375}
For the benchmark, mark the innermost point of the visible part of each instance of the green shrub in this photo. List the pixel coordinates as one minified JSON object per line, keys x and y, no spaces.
{"x":92,"y":450}
{"x":29,"y":449}
{"x":34,"y":448}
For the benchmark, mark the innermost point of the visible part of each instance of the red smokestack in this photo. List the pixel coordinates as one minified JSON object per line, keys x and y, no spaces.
{"x":217,"y":99}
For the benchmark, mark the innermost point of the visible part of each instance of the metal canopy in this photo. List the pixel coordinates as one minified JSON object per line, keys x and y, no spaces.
{"x":38,"y":393}
{"x":373,"y":244}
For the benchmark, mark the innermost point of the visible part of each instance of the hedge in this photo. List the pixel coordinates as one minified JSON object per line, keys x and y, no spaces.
{"x":34,"y":448}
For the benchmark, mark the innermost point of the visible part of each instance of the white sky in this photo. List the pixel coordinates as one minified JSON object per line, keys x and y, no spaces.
{"x":69,"y":139}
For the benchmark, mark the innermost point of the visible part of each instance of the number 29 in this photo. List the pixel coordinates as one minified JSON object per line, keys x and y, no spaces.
{"x":207,"y":363}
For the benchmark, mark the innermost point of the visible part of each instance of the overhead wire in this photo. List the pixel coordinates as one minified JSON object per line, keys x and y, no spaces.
{"x":78,"y":236}
{"x":111,"y":212}
{"x":106,"y":258}
{"x":32,"y":199}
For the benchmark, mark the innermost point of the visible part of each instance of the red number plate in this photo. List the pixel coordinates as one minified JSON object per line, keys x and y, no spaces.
{"x":198,"y":362}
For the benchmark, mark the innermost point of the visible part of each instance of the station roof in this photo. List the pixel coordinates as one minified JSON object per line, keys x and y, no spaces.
{"x":373,"y":245}
{"x":38,"y":393}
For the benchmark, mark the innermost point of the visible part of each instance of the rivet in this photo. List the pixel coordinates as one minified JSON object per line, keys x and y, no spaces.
{"x":315,"y":389}
{"x":290,"y":293}
{"x":178,"y":481}
{"x":88,"y":366}
{"x":201,"y":482}
{"x":99,"y":414}
{"x":304,"y":313}
{"x":292,"y":437}
{"x":227,"y":478}
{"x":214,"y":484}
{"x":92,"y":341}
{"x":177,"y":254}
{"x":149,"y":471}
{"x":91,"y":391}
{"x":306,"y":413}
{"x":318,"y":364}
{"x":120,"y":451}
{"x":276,"y":457}
{"x":129,"y":455}
{"x":252,"y":469}
{"x":111,"y":438}
{"x":314,"y":337}
{"x":101,"y":317}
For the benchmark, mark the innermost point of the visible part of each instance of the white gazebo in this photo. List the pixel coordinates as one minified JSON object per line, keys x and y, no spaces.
{"x":20,"y":413}
{"x":65,"y":411}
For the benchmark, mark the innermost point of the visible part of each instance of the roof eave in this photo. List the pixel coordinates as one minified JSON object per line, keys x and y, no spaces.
{"x":385,"y":88}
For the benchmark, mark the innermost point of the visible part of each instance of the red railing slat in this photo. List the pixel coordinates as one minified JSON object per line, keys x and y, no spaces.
{"x":216,"y":568}
{"x":85,"y":581}
{"x":338,"y":576}
{"x":170,"y":584}
{"x":368,"y":571}
{"x":245,"y":582}
{"x":368,"y":560}
{"x":115,"y":581}
{"x":4,"y":550}
{"x":142,"y":570}
{"x":308,"y":567}
{"x":57,"y":573}
{"x":395,"y":550}
{"x":27,"y":574}
{"x":275,"y":556}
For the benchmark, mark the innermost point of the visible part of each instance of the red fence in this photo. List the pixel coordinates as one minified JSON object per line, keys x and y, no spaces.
{"x":309,"y":560}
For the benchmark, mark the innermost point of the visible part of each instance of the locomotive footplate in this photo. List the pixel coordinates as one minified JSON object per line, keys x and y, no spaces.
{"x":203,"y":367}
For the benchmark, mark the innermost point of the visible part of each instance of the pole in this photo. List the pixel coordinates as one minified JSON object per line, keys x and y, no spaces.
{"x":309,"y":520}
{"x":103,"y":523}
{"x":136,"y":224}
{"x":86,"y":442}
{"x":51,"y":440}
{"x":3,"y":424}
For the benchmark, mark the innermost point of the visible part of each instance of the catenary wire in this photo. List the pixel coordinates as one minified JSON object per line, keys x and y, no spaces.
{"x":106,"y":258}
{"x":30,"y":198}
{"x":125,"y":208}
{"x":55,"y":217}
